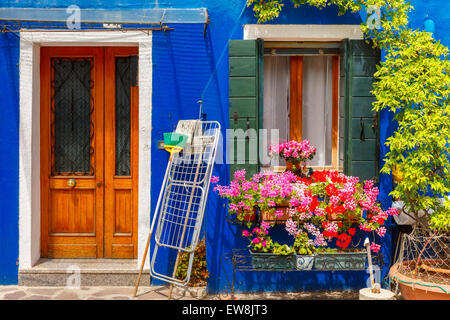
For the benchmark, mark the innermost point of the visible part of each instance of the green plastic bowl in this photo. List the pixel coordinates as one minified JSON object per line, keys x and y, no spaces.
{"x":172,"y":139}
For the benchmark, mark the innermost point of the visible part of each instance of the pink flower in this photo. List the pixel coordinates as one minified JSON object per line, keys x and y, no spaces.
{"x":365,"y":227}
{"x":264,"y":243}
{"x":245,"y":233}
{"x":331,"y":227}
{"x":320,"y":240}
{"x":265,"y":226}
{"x":392,"y":212}
{"x":319,"y":212}
{"x":214,"y":179}
{"x":381,"y":231}
{"x":375,"y":247}
{"x":256,"y":240}
{"x":294,"y":202}
{"x":291,"y":227}
{"x":233,"y":207}
{"x":279,"y":213}
{"x":239,"y":174}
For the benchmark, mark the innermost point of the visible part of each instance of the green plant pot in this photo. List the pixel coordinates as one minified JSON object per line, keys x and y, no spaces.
{"x":304,"y":262}
{"x":271,"y":261}
{"x":340,"y":261}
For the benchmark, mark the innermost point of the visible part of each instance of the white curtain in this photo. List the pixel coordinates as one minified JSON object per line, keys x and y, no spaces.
{"x":317,"y":106}
{"x":276,"y":104}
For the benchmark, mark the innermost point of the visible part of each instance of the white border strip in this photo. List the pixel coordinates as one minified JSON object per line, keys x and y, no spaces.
{"x":29,"y":130}
{"x":302,"y":32}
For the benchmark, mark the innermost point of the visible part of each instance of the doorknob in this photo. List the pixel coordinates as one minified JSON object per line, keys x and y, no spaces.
{"x":99,"y":184}
{"x":71,"y":183}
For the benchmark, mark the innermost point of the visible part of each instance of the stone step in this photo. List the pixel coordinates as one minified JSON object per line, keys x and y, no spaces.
{"x":85,"y":272}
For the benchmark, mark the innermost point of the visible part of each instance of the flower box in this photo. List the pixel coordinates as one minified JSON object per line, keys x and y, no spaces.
{"x":305,"y":262}
{"x":271,"y":261}
{"x":271,"y":217}
{"x":347,"y":217}
{"x":340,"y":261}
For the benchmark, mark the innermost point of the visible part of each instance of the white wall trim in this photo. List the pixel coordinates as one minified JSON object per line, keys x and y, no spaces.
{"x":301,"y":32}
{"x":29,"y":130}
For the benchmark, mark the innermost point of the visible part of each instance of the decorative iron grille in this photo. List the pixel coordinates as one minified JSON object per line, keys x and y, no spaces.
{"x":72,"y":109}
{"x":125,"y":74}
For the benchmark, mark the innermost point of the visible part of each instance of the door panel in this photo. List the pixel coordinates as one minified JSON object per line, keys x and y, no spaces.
{"x":121,"y":161}
{"x":71,"y":151}
{"x":89,"y":146}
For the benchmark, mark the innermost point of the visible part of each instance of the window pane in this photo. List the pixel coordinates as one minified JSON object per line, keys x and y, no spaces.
{"x":126,"y":68}
{"x":317,"y":106}
{"x":72,"y":110}
{"x":276,"y":102}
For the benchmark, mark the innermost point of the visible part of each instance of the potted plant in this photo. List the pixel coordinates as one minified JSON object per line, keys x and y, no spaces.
{"x":414,"y":84}
{"x":305,"y":249}
{"x":265,"y":253}
{"x":241,"y":195}
{"x":199,"y":272}
{"x":295,"y":153}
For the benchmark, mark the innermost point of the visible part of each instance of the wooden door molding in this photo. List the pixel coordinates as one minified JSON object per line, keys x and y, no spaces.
{"x":71,"y":218}
{"x":121,"y":192}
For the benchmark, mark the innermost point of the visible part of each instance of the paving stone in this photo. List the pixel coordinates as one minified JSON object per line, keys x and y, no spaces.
{"x":67,"y":295}
{"x":14,"y":295}
{"x":114,"y":291}
{"x":4,"y":289}
{"x":119,"y":298}
{"x":36,"y":297}
{"x":149,"y":296}
{"x":45,"y":291}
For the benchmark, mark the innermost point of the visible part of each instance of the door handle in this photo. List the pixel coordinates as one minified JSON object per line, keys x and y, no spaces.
{"x":71,"y":183}
{"x":99,"y":184}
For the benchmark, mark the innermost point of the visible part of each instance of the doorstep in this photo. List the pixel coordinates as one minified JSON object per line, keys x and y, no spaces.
{"x":93,"y":272}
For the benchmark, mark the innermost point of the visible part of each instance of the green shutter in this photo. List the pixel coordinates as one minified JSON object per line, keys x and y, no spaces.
{"x":245,"y":90}
{"x":360,"y":156}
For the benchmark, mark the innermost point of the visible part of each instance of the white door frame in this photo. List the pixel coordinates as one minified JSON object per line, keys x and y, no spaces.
{"x":29,"y":130}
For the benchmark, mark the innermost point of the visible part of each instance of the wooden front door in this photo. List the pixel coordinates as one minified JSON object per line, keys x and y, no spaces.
{"x":89,"y":152}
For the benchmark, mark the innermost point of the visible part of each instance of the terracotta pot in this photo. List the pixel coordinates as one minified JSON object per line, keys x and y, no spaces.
{"x":251,"y":217}
{"x":300,"y":168}
{"x":247,"y":217}
{"x":290,"y":165}
{"x":416,"y":289}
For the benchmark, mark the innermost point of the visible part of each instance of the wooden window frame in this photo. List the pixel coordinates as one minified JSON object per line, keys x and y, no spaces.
{"x":296,"y":108}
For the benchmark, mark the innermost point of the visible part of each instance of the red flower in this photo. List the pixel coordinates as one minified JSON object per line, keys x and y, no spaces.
{"x":329,"y":234}
{"x":331,"y":189}
{"x":313,"y":205}
{"x":306,"y":181}
{"x":343,"y":240}
{"x":319,"y":176}
{"x":351,"y":231}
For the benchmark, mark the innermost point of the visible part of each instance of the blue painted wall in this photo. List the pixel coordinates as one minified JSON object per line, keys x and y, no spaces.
{"x":187,"y":67}
{"x":9,"y":158}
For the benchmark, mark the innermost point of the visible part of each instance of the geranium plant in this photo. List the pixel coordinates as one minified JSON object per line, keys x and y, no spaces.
{"x":294,"y":151}
{"x":327,"y":206}
{"x":241,"y":195}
